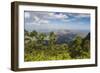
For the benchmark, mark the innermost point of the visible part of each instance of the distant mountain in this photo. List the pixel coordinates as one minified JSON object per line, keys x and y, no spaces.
{"x":67,"y":36}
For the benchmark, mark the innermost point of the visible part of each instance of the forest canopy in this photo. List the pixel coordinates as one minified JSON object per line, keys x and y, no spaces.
{"x":40,"y":46}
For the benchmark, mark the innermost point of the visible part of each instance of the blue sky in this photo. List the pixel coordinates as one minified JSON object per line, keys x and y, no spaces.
{"x":37,"y":20}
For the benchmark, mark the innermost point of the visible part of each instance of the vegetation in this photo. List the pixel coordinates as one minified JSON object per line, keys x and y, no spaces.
{"x":42,"y":47}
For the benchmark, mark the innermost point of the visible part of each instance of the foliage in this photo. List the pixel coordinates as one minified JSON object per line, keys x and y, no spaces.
{"x":42,"y":47}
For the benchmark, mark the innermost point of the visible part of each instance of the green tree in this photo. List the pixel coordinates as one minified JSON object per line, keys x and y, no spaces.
{"x":52,"y":38}
{"x":33,"y":34}
{"x":64,"y":47}
{"x":26,"y":33}
{"x":30,"y":41}
{"x":86,"y":43}
{"x":41,"y":37}
{"x":86,"y":46}
{"x":75,"y":49}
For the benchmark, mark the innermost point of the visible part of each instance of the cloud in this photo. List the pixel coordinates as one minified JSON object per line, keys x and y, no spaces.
{"x":56,"y":16}
{"x":45,"y":17}
{"x":54,"y":20}
{"x":83,"y":15}
{"x":79,"y":15}
{"x":27,"y":15}
{"x":43,"y":21}
{"x":60,"y":15}
{"x":37,"y":21}
{"x":36,"y":18}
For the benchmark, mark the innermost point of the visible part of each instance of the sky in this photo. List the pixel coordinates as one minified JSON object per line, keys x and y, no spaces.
{"x":40,"y":20}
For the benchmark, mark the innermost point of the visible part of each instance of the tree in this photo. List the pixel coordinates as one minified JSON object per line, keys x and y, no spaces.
{"x":78,"y":40}
{"x":75,"y":48}
{"x":33,"y":34}
{"x":86,"y":43}
{"x":26,"y":33}
{"x":41,"y":37}
{"x":52,"y":38}
{"x":86,"y":46}
{"x":64,"y":47}
{"x":30,"y":41}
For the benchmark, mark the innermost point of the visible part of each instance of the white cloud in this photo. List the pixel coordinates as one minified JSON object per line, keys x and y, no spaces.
{"x":39,"y":21}
{"x":61,"y":15}
{"x":51,"y":14}
{"x":36,"y":18}
{"x":80,"y":15}
{"x":43,"y":21}
{"x":45,"y":17}
{"x":27,"y":15}
{"x":56,"y":16}
{"x":83,"y":15}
